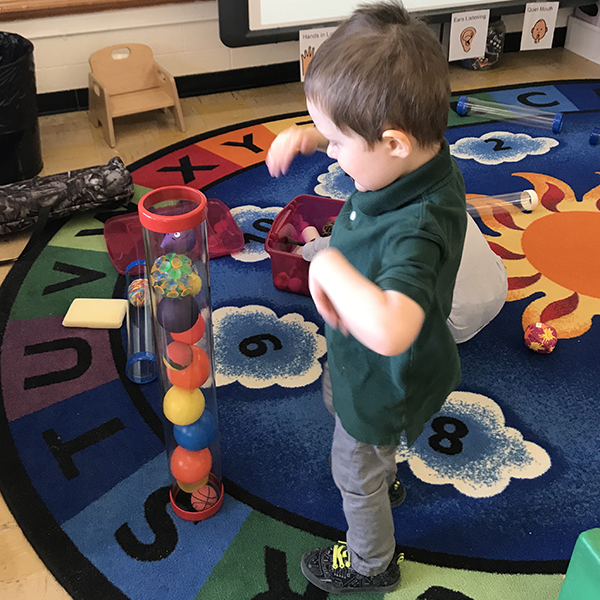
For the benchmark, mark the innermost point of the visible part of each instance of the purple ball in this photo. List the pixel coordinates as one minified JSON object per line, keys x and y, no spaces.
{"x":179,"y":242}
{"x":177,"y":314}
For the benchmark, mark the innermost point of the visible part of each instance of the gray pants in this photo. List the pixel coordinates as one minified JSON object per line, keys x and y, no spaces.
{"x":363,"y":473}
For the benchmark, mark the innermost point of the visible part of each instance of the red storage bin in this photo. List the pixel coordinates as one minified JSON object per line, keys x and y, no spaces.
{"x":124,"y":242}
{"x":290,"y":271}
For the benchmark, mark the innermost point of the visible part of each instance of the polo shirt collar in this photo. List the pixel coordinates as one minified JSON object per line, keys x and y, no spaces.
{"x":405,"y":189}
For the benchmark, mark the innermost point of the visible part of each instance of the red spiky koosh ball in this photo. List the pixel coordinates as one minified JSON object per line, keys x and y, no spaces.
{"x":541,"y":337}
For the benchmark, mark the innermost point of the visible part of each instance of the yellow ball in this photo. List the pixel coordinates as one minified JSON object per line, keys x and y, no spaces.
{"x":183,"y":407}
{"x":190,"y":488}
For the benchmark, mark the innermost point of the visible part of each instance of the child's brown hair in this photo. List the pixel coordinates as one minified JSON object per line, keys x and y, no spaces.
{"x":382,"y":69}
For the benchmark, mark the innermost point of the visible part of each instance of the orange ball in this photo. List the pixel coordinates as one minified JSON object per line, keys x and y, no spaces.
{"x":195,"y":374}
{"x":190,"y":467}
{"x":193,"y":335}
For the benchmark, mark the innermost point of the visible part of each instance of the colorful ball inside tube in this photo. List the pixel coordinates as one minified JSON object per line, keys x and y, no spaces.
{"x":137,"y":293}
{"x":175,"y":276}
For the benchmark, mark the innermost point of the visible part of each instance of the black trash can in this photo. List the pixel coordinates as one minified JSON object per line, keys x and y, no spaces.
{"x":20,"y":147}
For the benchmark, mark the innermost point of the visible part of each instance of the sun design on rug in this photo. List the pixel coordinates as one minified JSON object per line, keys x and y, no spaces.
{"x":553,"y":250}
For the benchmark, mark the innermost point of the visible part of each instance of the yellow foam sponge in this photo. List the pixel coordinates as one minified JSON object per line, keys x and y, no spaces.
{"x":96,"y":313}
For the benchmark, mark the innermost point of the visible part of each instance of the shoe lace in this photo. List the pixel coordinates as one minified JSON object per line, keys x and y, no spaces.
{"x":341,"y":557}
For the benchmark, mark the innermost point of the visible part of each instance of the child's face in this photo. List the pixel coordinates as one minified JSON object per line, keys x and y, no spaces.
{"x":370,"y":168}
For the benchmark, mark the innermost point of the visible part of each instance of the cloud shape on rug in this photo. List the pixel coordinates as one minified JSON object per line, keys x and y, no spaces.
{"x":259,"y":349}
{"x":255,"y":222}
{"x":335,"y":183}
{"x":497,"y":147}
{"x":468,"y":445}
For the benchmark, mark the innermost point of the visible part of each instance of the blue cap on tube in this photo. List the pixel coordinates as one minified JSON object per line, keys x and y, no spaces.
{"x":595,"y":136}
{"x":557,"y":123}
{"x":141,"y":367}
{"x":462,"y":105}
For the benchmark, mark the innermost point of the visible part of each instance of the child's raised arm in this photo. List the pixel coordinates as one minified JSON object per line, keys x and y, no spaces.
{"x":385,"y":321}
{"x":291,"y":142}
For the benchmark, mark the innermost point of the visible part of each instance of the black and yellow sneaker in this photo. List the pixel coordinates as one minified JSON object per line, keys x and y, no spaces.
{"x":329,"y":569}
{"x":397,"y":493}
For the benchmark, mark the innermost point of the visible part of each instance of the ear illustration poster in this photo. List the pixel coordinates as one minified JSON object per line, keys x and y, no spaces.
{"x":468,"y":34}
{"x":538,"y":25}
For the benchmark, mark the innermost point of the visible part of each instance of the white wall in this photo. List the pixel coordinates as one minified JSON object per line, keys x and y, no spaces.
{"x":184,"y":38}
{"x":515,"y":22}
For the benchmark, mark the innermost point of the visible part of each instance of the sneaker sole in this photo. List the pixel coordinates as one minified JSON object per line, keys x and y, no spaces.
{"x":331,"y":589}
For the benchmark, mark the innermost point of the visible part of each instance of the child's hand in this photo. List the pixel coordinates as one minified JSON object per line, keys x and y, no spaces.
{"x":288,"y":144}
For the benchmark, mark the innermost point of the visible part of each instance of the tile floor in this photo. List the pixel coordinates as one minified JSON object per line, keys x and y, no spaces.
{"x":70,"y":142}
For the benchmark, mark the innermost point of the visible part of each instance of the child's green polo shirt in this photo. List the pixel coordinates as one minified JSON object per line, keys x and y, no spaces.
{"x":407,"y":237}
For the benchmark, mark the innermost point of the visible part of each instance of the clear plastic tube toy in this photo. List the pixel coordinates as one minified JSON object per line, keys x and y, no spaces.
{"x":526,"y":200}
{"x":176,"y":246}
{"x":497,"y":111}
{"x":141,"y":360}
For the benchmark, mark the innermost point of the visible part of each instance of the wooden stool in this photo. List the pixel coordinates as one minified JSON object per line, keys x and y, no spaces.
{"x":125,"y":80}
{"x":582,"y":581}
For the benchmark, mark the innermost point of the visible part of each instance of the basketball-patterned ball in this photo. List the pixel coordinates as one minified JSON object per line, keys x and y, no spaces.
{"x":204,"y":498}
{"x":541,"y":337}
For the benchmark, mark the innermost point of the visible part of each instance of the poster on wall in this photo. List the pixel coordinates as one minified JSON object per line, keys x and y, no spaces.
{"x":310,"y":40}
{"x":538,"y":25}
{"x":468,"y":34}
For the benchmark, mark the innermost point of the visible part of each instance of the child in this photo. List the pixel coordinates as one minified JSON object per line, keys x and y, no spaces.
{"x":481,"y":283}
{"x":378,"y":90}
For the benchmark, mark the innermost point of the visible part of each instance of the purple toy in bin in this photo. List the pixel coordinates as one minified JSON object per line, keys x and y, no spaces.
{"x":290,"y":270}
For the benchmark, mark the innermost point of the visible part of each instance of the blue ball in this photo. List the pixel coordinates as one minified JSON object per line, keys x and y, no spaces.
{"x":198,"y":435}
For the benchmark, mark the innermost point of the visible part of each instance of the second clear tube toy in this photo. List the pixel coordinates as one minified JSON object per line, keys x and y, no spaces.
{"x":530,"y":116}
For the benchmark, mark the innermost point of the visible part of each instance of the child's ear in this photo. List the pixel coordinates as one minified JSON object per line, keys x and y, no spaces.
{"x":398,"y":142}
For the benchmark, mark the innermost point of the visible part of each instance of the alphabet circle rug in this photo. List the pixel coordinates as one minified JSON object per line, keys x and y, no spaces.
{"x":501,"y":482}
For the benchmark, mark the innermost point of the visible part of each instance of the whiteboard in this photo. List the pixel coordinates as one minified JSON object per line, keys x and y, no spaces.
{"x":251,"y":22}
{"x":269,"y":14}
